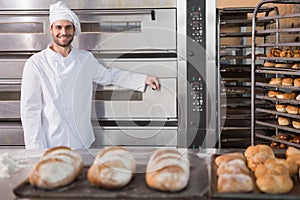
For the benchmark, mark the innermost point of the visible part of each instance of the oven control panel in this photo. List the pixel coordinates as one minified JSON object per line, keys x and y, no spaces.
{"x":196,"y":72}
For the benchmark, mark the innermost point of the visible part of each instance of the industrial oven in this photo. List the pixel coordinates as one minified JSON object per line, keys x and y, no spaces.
{"x":173,"y":40}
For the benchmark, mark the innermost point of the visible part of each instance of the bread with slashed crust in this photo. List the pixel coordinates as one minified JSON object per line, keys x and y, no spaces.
{"x":113,"y":167}
{"x":168,"y":170}
{"x":58,"y":167}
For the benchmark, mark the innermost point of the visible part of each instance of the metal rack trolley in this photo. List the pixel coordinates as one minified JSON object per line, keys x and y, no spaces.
{"x":270,"y":126}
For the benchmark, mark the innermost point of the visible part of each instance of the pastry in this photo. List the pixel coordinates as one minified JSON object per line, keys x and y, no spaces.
{"x":58,"y":167}
{"x":113,"y":167}
{"x":168,"y":170}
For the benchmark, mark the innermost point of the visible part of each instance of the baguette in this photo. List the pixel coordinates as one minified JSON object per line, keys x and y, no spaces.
{"x":168,"y":170}
{"x":113,"y":167}
{"x":58,"y":167}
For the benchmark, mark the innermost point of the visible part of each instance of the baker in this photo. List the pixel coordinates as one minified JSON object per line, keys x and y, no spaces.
{"x":57,"y":87}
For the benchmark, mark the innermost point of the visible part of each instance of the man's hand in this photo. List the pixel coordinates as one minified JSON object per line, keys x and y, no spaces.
{"x":152,"y":81}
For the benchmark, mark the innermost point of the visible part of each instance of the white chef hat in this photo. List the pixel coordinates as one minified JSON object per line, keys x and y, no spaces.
{"x":59,"y":11}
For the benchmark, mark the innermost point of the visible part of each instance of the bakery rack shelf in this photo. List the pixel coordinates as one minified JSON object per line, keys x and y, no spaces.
{"x":274,"y":112}
{"x":283,"y":44}
{"x":283,"y":71}
{"x":277,"y":86}
{"x":277,"y":140}
{"x":234,"y":67}
{"x":274,"y":99}
{"x":275,"y":125}
{"x":283,"y":36}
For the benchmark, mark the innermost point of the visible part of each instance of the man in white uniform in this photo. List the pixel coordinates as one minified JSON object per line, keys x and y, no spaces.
{"x":52,"y":112}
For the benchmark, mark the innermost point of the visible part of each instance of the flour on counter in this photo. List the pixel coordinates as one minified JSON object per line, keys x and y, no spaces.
{"x":8,"y":165}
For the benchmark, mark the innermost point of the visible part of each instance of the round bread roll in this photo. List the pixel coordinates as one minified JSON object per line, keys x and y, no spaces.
{"x":275,"y":81}
{"x":272,"y":93}
{"x":297,"y":82}
{"x":280,"y":107}
{"x":292,"y":109}
{"x":283,"y":65}
{"x":58,"y":167}
{"x":269,"y":64}
{"x":284,"y":121}
{"x":113,"y":167}
{"x":296,"y":124}
{"x":287,"y":81}
{"x":168,"y":170}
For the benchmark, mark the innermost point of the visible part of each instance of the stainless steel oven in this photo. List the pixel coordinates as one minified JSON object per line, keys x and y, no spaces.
{"x":173,"y":40}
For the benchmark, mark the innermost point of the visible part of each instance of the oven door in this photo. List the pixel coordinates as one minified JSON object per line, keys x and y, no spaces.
{"x":114,"y":103}
{"x":117,"y":30}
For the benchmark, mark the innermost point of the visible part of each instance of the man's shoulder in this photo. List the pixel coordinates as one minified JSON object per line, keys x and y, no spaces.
{"x":82,"y":52}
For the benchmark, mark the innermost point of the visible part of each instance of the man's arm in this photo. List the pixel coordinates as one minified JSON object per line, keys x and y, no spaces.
{"x":31,"y":106}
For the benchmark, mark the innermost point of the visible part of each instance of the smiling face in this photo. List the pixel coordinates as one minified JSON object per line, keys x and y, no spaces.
{"x":62,"y":32}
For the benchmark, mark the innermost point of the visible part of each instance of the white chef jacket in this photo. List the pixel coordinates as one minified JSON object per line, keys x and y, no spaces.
{"x":56,"y":97}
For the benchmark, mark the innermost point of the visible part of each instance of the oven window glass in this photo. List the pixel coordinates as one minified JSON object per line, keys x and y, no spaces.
{"x":22,"y":27}
{"x":111,"y":26}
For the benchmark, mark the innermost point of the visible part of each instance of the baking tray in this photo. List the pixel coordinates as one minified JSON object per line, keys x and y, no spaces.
{"x":255,"y":194}
{"x":136,"y":189}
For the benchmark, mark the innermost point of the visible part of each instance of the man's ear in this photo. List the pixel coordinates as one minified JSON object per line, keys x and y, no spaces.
{"x":50,"y":29}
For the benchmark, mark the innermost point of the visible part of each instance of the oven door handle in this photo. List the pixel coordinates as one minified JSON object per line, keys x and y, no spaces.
{"x":119,"y":12}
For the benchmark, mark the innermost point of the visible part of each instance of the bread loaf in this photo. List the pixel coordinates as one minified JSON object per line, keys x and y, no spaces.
{"x":291,"y":95}
{"x":234,"y":183}
{"x":284,"y":121}
{"x":275,"y":81}
{"x":258,"y":154}
{"x":59,"y":166}
{"x":273,"y":177}
{"x":228,"y":157}
{"x":292,"y":109}
{"x":296,"y":65}
{"x":113,"y":168}
{"x":236,"y":166}
{"x":269,"y":64}
{"x":280,"y":107}
{"x":287,"y":81}
{"x":273,"y":93}
{"x":168,"y":170}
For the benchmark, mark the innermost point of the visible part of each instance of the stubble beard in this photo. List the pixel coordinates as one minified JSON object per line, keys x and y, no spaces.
{"x":68,"y":43}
